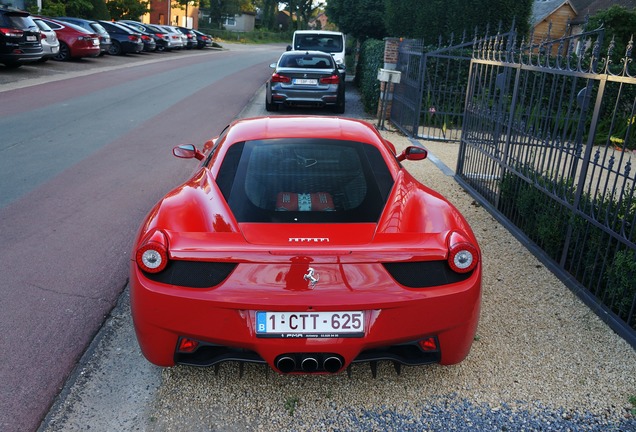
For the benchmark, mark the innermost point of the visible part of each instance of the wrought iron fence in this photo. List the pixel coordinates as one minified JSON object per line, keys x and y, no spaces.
{"x":548,"y":139}
{"x":428,"y":103}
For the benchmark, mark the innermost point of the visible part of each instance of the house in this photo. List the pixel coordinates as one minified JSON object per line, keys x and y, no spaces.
{"x":553,"y":19}
{"x":165,"y":12}
{"x":243,"y":22}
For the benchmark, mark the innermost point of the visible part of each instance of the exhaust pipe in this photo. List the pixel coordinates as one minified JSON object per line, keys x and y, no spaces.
{"x":332,"y":364}
{"x":309,"y":364}
{"x":286,"y":364}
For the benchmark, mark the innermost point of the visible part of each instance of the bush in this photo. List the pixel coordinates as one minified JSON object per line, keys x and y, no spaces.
{"x":370,"y":61}
{"x":596,"y":259}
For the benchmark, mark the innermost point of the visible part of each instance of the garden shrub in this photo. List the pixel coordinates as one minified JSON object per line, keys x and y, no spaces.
{"x":370,"y":61}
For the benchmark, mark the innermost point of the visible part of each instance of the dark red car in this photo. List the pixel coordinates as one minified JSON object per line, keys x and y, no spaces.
{"x":303,"y":243}
{"x":75,"y":42}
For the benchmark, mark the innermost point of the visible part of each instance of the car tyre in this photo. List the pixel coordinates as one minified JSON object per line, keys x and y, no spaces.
{"x":115,"y":49}
{"x":64,"y":53}
{"x":270,"y":107}
{"x":339,"y":108}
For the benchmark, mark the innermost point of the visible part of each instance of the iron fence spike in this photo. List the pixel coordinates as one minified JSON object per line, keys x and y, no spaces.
{"x":398,"y":367}
{"x":241,"y":369}
{"x":349,"y":371}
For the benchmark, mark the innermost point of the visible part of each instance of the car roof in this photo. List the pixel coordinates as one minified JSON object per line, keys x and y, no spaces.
{"x":304,"y":127}
{"x":306,"y":52}
{"x":318,"y":32}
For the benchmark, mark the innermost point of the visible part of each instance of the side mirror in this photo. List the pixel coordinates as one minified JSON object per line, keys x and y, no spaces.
{"x":187,"y":151}
{"x":341,"y":66}
{"x":413,"y":153}
{"x":273,"y":65}
{"x":289,"y":47}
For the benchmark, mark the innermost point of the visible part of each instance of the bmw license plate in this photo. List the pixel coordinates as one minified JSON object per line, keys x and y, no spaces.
{"x":305,"y":81}
{"x":31,"y":38}
{"x":310,"y":324}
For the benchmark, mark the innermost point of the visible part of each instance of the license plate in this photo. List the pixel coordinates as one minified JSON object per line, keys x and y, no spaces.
{"x":95,"y":41}
{"x":31,"y":38}
{"x":305,"y":81}
{"x":310,"y":324}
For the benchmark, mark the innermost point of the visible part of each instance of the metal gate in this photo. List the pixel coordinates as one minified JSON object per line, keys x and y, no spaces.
{"x":548,"y":139}
{"x":429,"y":101}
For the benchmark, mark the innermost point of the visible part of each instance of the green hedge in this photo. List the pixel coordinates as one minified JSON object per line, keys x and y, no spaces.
{"x":606,"y":267}
{"x":370,"y":61}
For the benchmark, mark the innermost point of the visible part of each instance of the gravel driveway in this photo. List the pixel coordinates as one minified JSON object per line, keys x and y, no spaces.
{"x":541,"y":361}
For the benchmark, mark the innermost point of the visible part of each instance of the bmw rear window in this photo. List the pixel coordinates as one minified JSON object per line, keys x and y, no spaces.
{"x":305,"y":180}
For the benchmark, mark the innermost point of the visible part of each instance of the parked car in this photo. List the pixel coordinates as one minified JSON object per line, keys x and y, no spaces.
{"x":191,"y":37}
{"x":148,"y":40}
{"x":50,"y":43}
{"x":305,"y":78}
{"x":19,"y":38}
{"x":203,"y":40}
{"x":176,"y":37}
{"x":75,"y":42}
{"x":307,"y":246}
{"x":160,"y":37}
{"x":93,"y":27}
{"x":123,"y":40}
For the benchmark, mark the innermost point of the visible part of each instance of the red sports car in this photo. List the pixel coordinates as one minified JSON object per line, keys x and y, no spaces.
{"x":302,"y":242}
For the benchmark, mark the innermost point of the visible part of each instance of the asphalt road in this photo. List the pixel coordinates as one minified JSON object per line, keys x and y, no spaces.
{"x":84,"y":153}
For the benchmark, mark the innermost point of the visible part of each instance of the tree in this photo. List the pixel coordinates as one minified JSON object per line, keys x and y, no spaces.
{"x":89,"y":9}
{"x":127,"y":9}
{"x":219,"y":9}
{"x":619,"y":24}
{"x":428,"y":20}
{"x":362,"y":19}
{"x":98,"y":12}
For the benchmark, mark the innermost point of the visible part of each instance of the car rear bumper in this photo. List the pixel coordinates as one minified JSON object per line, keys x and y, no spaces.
{"x":223,"y":321}
{"x":304,"y":97}
{"x":19,"y":54}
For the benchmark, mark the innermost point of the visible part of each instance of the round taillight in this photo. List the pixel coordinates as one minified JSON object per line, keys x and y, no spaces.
{"x":152,"y":257}
{"x":463,"y":256}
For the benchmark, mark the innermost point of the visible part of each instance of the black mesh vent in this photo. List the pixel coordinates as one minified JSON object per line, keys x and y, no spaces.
{"x":423,"y":274}
{"x":193,"y":274}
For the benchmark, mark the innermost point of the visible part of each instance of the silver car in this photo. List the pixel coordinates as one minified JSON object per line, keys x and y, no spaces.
{"x":309,"y":78}
{"x":176,"y":37}
{"x":50,"y":43}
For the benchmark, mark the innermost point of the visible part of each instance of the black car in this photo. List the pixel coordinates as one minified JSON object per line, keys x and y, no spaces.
{"x":203,"y":40}
{"x":123,"y":39}
{"x":19,"y":38}
{"x":192,"y":37}
{"x":150,"y":43}
{"x":160,"y":37}
{"x":93,"y":27}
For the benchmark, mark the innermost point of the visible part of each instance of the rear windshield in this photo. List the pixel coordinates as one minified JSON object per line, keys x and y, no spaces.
{"x":306,"y":61}
{"x":304,"y":180}
{"x":17,"y":21}
{"x":318,"y":42}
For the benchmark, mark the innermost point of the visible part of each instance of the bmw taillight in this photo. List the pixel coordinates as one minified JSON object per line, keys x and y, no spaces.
{"x":152,"y":256}
{"x":9,"y":32}
{"x":146,"y":38}
{"x":463,"y":256}
{"x":333,"y":79}
{"x":280,"y":78}
{"x":133,"y":38}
